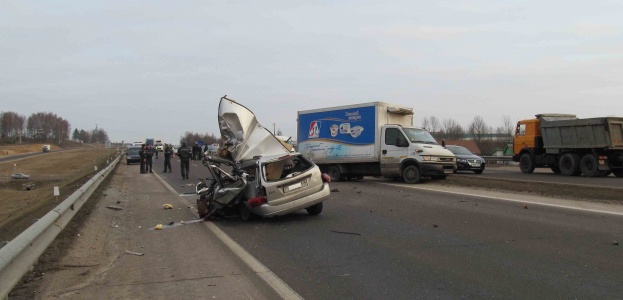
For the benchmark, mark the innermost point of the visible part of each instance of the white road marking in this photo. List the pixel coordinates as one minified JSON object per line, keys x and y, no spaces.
{"x":527,"y":199}
{"x":262,"y":271}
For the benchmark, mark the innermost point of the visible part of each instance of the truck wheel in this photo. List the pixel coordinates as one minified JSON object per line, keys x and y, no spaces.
{"x":570,"y":164}
{"x":411,"y":174}
{"x":618,"y":172}
{"x":588,"y":166}
{"x":315,"y":209}
{"x":335,"y":173}
{"x":604,"y":173}
{"x":526,"y":164}
{"x":555,"y":169}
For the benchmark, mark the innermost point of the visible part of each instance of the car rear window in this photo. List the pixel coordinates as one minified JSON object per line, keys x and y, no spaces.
{"x":133,"y":151}
{"x":286,"y":167}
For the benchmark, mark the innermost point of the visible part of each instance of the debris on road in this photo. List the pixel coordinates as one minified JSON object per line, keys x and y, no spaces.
{"x":525,"y":206}
{"x":134,"y":253}
{"x":167,"y":206}
{"x":158,"y":227}
{"x":115,"y":207}
{"x":335,"y":191}
{"x":615,"y":243}
{"x":344,"y":232}
{"x":435,"y":225}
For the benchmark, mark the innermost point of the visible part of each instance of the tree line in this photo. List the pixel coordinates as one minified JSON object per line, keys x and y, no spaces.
{"x":487,"y":138}
{"x":42,"y":127}
{"x":191,"y":137}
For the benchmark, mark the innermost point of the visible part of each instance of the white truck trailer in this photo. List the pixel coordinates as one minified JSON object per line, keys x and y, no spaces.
{"x":371,"y":139}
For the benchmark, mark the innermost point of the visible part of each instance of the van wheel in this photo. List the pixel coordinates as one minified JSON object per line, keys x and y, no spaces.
{"x":315,"y":209}
{"x":335,"y":173}
{"x":569,"y":164}
{"x":526,"y":164}
{"x":588,"y":166}
{"x":411,"y":174}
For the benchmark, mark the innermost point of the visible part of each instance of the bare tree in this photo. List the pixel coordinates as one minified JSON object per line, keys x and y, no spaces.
{"x":426,"y":124}
{"x":478,"y":129}
{"x":452,"y":130}
{"x":435,"y":125}
{"x":12,"y":125}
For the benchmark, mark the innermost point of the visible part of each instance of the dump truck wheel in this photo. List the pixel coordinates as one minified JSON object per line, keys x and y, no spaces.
{"x":526,"y":164}
{"x":570,"y":164}
{"x":555,"y":169}
{"x":411,"y":174}
{"x":335,"y":173}
{"x":618,"y":172}
{"x":589,"y":166}
{"x":315,"y":209}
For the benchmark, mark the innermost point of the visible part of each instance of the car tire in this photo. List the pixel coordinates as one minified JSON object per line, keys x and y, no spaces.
{"x":245,"y":212}
{"x":202,"y":208}
{"x":526,"y":163}
{"x":569,"y":164}
{"x":589,"y":166}
{"x":315,"y":209}
{"x":335,"y":173}
{"x":411,"y":174}
{"x":618,"y":172}
{"x":555,"y":169}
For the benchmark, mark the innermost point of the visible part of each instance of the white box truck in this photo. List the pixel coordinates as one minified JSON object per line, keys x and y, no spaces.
{"x":371,"y":139}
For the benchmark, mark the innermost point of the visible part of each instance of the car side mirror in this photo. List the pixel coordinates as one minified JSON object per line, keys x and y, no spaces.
{"x":443,"y":143}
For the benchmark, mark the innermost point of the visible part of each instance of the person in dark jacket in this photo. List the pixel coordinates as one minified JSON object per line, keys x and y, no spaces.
{"x":185,"y":154}
{"x":141,"y":153}
{"x":149,"y":156}
{"x":167,"y":158}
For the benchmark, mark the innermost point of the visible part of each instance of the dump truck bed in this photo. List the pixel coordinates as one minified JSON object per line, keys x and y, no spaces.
{"x":583,"y":133}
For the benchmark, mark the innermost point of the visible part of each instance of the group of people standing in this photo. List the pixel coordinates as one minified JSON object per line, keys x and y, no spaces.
{"x":148,"y":152}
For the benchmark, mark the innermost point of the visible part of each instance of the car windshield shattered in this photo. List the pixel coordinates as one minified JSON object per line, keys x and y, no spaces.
{"x":254,"y":173}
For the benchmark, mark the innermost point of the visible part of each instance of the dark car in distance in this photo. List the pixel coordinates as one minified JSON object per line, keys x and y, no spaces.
{"x":466,"y":160}
{"x":132,"y":155}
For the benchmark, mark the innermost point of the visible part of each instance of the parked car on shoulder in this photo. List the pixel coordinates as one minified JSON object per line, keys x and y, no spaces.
{"x":132,"y":155}
{"x":466,"y":160}
{"x":20,"y":176}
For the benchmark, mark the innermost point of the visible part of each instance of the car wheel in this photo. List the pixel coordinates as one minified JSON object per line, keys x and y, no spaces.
{"x":411,"y":174}
{"x":202,"y":208}
{"x":479,"y":171}
{"x":569,"y":164}
{"x":315,"y":209}
{"x":335,"y":173}
{"x":245,"y":212}
{"x":526,"y":164}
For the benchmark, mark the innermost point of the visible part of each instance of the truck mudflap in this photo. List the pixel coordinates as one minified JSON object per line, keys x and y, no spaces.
{"x":437,"y":169}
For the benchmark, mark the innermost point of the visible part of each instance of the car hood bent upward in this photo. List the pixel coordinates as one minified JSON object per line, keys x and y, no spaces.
{"x":244,"y":137}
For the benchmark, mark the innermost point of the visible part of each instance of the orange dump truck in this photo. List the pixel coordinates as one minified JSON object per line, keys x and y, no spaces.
{"x":570,"y":146}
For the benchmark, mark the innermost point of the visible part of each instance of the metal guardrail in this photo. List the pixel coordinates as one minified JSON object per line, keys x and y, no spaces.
{"x":498,"y":158}
{"x":19,"y":255}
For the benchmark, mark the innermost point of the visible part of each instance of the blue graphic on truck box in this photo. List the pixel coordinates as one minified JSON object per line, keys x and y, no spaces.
{"x":338,"y":134}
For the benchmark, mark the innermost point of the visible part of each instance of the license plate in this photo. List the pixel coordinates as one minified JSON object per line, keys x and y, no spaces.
{"x":448,"y":171}
{"x":294,"y":186}
{"x":475,"y":165}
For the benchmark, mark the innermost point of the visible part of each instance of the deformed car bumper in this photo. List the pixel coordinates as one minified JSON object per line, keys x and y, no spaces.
{"x":268,"y":210}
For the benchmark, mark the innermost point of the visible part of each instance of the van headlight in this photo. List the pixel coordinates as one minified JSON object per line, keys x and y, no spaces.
{"x":430,"y":158}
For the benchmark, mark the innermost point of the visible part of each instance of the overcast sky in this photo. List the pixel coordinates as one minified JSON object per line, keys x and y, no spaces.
{"x":158,"y":68}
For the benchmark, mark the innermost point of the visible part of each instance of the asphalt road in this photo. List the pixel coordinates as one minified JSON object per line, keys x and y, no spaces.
{"x":542,"y":175}
{"x":375,"y":240}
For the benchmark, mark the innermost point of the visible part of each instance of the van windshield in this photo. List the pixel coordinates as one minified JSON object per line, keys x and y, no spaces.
{"x":416,"y":135}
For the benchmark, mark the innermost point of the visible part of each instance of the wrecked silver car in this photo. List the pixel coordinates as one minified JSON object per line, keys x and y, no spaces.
{"x":255,"y":174}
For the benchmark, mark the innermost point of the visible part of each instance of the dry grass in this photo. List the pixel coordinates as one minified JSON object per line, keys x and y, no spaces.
{"x":7,"y":150}
{"x":65,"y":169}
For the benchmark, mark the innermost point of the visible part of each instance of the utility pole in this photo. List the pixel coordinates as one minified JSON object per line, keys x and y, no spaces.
{"x":273,"y":128}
